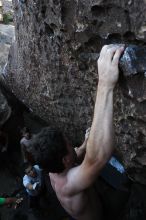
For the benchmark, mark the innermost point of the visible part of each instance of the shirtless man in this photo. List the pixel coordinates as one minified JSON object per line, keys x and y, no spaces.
{"x":25,"y":145}
{"x":71,"y":182}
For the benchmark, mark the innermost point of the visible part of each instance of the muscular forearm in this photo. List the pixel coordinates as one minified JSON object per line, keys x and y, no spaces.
{"x":100,"y":142}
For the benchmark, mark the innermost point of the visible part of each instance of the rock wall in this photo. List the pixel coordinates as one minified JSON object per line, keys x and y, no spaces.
{"x":52,"y":68}
{"x":7,"y":35}
{"x":7,"y":6}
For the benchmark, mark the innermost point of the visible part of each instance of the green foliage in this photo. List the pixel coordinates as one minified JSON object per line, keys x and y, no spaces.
{"x":7,"y":18}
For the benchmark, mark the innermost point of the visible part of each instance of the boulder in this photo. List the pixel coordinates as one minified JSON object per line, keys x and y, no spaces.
{"x":7,"y":6}
{"x":47,"y":73}
{"x":7,"y":35}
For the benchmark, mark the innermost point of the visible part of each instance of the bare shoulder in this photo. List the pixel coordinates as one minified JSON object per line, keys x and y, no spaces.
{"x":57,"y":181}
{"x":63,"y":182}
{"x":76,"y":179}
{"x":71,"y":181}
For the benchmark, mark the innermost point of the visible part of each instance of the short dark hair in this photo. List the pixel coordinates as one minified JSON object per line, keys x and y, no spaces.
{"x":48,"y":149}
{"x":24,"y":130}
{"x":26,"y":165}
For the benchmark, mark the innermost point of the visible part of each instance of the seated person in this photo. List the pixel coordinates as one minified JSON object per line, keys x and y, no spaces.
{"x":32,"y":181}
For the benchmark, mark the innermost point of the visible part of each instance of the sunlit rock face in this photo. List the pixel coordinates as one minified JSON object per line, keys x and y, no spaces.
{"x":7,"y":35}
{"x":52,"y":68}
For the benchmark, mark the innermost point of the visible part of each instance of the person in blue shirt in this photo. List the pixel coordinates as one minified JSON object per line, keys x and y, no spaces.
{"x":32,"y":182}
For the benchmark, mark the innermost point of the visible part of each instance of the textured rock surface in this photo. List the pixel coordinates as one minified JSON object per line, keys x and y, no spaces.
{"x":7,"y":35}
{"x":133,"y":60}
{"x":47,"y":73}
{"x":7,"y":6}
